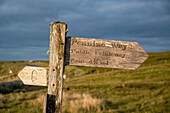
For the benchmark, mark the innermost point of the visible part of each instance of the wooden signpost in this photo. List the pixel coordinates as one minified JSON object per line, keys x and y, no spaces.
{"x":33,"y":75}
{"x":103,"y":53}
{"x":81,"y":52}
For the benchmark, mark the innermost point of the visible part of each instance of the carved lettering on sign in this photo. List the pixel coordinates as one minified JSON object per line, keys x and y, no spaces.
{"x":103,"y":53}
{"x":107,"y":53}
{"x":76,"y":51}
{"x":99,"y":62}
{"x":118,"y":45}
{"x":34,"y":75}
{"x":115,"y":45}
{"x":76,"y":61}
{"x":89,"y":43}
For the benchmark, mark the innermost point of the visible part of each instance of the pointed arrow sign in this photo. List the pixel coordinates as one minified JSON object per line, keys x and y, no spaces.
{"x":91,"y":52}
{"x":104,"y":53}
{"x":33,"y":75}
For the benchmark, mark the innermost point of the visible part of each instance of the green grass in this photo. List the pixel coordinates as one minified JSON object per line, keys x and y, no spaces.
{"x":144,"y":90}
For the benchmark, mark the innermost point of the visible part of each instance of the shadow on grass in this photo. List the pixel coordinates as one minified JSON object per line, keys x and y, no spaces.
{"x":17,"y":86}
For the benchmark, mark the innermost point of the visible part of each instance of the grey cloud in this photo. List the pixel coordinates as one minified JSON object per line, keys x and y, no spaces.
{"x":26,"y":23}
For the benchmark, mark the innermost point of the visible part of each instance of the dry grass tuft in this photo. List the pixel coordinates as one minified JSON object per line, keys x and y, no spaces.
{"x":76,"y":103}
{"x":1,"y":97}
{"x":39,"y":100}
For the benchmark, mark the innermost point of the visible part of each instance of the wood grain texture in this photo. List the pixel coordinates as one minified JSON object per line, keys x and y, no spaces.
{"x":104,"y":53}
{"x":45,"y":103}
{"x":56,"y":65}
{"x":33,"y":75}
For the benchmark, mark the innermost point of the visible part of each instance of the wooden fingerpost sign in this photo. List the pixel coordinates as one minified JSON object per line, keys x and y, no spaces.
{"x":56,"y":68}
{"x":80,"y":52}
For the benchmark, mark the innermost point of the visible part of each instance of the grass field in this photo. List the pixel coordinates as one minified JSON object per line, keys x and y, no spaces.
{"x":101,"y":90}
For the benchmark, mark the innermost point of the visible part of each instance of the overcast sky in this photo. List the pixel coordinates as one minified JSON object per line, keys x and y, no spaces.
{"x":24,"y":24}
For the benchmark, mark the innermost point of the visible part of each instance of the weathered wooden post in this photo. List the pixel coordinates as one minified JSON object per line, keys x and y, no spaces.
{"x":79,"y":52}
{"x":56,"y":67}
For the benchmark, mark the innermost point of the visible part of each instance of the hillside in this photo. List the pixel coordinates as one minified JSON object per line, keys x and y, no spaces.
{"x":87,"y":89}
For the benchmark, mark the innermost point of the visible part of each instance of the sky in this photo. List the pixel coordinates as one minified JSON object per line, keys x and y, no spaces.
{"x":24,"y":24}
